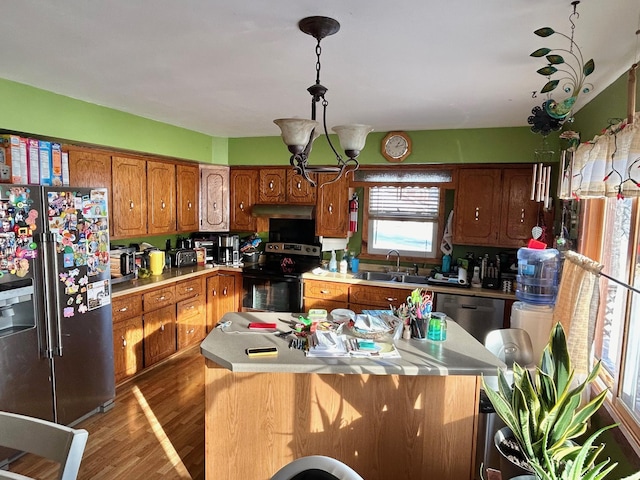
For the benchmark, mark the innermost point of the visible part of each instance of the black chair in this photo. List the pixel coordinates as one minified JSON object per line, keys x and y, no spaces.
{"x":316,"y":467}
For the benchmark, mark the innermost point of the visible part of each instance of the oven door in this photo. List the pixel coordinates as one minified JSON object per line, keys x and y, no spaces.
{"x":268,"y":292}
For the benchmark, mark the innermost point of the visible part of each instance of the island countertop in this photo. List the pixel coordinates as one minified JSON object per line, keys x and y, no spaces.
{"x":459,"y":354}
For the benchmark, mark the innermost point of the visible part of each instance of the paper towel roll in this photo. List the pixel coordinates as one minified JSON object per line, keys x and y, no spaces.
{"x":462,"y":276}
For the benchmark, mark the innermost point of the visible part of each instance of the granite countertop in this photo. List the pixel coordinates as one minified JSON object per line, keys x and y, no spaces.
{"x":169,"y":276}
{"x":470,"y":291}
{"x":459,"y":354}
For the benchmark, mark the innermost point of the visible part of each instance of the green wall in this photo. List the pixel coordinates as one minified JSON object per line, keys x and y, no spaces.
{"x":41,"y":113}
{"x":478,"y":145}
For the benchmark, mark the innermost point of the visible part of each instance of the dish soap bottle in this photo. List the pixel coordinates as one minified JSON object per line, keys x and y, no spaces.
{"x":343,"y":262}
{"x":333,"y":264}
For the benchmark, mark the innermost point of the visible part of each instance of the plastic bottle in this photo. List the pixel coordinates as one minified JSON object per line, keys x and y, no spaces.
{"x":333,"y":263}
{"x":446,"y":263}
{"x":343,"y":263}
{"x":538,"y":275}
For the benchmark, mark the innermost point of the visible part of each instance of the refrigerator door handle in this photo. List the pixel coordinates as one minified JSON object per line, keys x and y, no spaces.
{"x":51,"y":299}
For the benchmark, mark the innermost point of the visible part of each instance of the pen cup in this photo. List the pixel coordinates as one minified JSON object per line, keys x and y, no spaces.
{"x":419,"y":328}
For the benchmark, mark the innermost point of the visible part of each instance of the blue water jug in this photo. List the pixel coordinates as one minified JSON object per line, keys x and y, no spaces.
{"x":538,"y":274}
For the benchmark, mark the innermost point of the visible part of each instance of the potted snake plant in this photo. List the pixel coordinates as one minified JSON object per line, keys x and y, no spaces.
{"x":543,"y":413}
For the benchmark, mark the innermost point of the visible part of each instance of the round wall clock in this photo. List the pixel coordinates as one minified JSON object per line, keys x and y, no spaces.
{"x":396,"y":146}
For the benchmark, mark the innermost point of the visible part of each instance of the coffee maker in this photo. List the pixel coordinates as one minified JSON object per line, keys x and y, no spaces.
{"x":228,"y":250}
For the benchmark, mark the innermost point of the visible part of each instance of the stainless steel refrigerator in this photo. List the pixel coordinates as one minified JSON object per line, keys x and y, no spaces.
{"x":56,"y":347}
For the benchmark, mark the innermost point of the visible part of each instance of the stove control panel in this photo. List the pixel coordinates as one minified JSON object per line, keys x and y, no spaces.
{"x":292,"y":249}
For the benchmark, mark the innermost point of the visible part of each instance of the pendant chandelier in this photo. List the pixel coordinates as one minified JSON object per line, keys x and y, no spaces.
{"x":298,"y":134}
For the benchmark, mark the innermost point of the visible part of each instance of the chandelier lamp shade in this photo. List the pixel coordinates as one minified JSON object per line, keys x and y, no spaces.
{"x":299,"y":134}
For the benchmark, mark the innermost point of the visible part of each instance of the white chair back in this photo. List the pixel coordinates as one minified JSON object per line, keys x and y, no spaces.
{"x":316,"y":463}
{"x":59,"y":443}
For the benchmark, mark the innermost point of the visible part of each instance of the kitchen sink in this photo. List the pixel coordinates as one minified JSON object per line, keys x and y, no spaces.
{"x":397,"y":277}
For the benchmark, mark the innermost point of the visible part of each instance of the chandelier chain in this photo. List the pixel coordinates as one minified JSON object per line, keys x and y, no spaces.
{"x":318,"y":53}
{"x":574,"y":16}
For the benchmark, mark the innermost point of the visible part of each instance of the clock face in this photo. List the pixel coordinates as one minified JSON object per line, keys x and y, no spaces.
{"x":396,"y":146}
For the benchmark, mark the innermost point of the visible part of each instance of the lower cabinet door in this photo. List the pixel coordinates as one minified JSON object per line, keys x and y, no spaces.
{"x":191,"y":321}
{"x":159,"y":334}
{"x":127,"y":347}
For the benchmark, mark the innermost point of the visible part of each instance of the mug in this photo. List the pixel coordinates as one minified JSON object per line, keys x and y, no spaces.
{"x":156,"y":262}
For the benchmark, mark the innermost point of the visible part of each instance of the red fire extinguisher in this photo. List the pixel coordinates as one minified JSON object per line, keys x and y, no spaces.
{"x":353,"y":214}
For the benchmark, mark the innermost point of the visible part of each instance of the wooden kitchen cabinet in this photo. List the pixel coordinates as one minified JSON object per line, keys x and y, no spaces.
{"x":188,"y":198}
{"x":129,"y":178}
{"x":243,"y":193}
{"x":283,"y":185}
{"x":159,"y":324}
{"x":191,"y":312}
{"x":271,"y":185}
{"x":519,"y":213}
{"x":493,"y":207}
{"x":128,"y":335}
{"x":161,"y":198}
{"x":214,"y":198}
{"x":223,"y":296}
{"x":332,"y":207}
{"x":367,"y":297}
{"x":327,"y":295}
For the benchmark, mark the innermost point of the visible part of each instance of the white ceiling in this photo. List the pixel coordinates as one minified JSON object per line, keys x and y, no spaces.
{"x":228,"y":68}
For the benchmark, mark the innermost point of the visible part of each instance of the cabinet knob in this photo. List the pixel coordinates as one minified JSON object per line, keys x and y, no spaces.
{"x":522,"y":216}
{"x":131,"y":205}
{"x":215,"y":205}
{"x":391,"y":299}
{"x":124,"y":342}
{"x":214,"y":292}
{"x":190,"y":331}
{"x":477,"y":213}
{"x":299,"y":185}
{"x":161,"y":298}
{"x":189,"y":205}
{"x":190,"y":289}
{"x":162,"y":327}
{"x":330,"y":208}
{"x":162,"y":204}
{"x":325,"y":292}
{"x":242,"y":206}
{"x":191,"y":307}
{"x":224,"y":291}
{"x":123,"y":309}
{"x":271,"y":185}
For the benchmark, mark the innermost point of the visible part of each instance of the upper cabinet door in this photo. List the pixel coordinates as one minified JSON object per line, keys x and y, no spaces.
{"x":92,"y":169}
{"x":214,"y":198}
{"x":271,"y":185}
{"x":519,"y":212}
{"x":477,"y":209}
{"x":299,"y":190}
{"x":161,"y":194}
{"x":129,"y":197}
{"x":188,"y":197}
{"x":332,"y":207}
{"x":243,"y":193}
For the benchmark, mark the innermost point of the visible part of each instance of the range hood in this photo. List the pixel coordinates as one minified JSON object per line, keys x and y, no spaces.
{"x":297,"y":212}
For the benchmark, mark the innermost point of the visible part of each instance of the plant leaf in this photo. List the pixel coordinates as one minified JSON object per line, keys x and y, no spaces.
{"x":541,"y":52}
{"x":544,"y":32}
{"x":588,"y":68}
{"x":555,"y":59}
{"x":550,"y":86}
{"x":548,"y":70}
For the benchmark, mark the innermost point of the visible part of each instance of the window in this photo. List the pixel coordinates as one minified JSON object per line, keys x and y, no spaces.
{"x":618,"y":323}
{"x":404,"y":218}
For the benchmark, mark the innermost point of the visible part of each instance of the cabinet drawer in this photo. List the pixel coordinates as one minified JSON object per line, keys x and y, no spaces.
{"x":192,"y":307}
{"x":326,"y":290}
{"x":189,"y":288}
{"x":377,"y":296}
{"x":158,"y":298}
{"x":126,"y":307}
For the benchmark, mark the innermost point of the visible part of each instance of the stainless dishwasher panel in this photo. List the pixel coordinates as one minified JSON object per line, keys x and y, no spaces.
{"x":477,"y":315}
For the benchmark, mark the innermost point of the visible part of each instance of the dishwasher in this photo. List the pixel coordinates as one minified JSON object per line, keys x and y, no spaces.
{"x":477,"y":315}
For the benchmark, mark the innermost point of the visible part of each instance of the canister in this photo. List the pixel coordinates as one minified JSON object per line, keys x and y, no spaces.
{"x":156,"y":262}
{"x":437,"y":330}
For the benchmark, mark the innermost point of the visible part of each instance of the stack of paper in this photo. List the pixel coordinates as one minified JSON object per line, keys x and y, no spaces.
{"x":329,"y":344}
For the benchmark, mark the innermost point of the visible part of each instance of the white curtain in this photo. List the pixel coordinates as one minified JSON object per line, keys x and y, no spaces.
{"x":607,"y":166}
{"x":577,"y":307}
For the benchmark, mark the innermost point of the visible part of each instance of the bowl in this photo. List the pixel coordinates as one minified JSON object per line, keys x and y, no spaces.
{"x":341,"y":315}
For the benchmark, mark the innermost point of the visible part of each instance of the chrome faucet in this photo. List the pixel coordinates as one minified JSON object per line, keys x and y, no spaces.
{"x":397,"y":259}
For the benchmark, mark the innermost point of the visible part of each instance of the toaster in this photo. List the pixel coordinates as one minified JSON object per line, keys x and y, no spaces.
{"x":183,"y":257}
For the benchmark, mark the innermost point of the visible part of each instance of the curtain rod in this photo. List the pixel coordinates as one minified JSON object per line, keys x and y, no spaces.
{"x":619,"y":282}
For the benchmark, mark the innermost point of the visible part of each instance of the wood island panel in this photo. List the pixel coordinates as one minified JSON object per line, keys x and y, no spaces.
{"x":383,"y":426}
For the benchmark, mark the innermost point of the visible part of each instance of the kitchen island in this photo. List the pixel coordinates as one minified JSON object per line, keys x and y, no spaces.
{"x":408,"y":418}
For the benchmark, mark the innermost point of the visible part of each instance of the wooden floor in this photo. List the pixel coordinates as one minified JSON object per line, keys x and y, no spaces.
{"x":155,"y":431}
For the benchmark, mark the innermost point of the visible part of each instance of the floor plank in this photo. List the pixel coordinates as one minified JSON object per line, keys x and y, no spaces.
{"x":155,"y":431}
